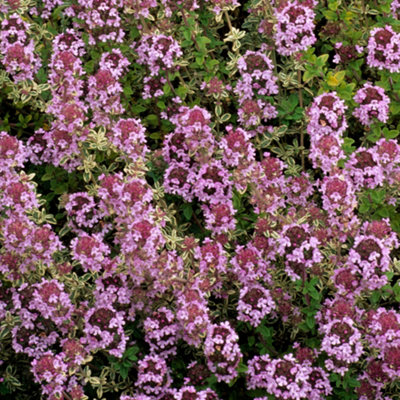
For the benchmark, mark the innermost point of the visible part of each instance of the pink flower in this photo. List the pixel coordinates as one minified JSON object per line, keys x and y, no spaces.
{"x":374,"y":104}
{"x":294,"y":28}
{"x":383,"y":49}
{"x":222,"y":351}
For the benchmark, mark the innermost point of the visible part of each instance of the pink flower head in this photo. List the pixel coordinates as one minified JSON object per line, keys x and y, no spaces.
{"x":383,"y":49}
{"x":255,"y":302}
{"x":90,"y":251}
{"x":374,"y":104}
{"x":158,"y":52}
{"x":104,"y":330}
{"x":327,"y":116}
{"x":294,"y":28}
{"x":364,"y":170}
{"x":161,"y":332}
{"x":50,"y":370}
{"x":12,"y":152}
{"x":153,"y":375}
{"x":222,"y":351}
{"x":115,"y":62}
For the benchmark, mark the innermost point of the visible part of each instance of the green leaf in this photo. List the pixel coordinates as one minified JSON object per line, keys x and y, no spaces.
{"x":310,"y":321}
{"x":188,"y":211}
{"x":321,"y":60}
{"x":374,"y":137}
{"x":251,"y":340}
{"x":390,"y":134}
{"x":166,"y":89}
{"x":265,"y":331}
{"x":124,"y":372}
{"x":378,"y":195}
{"x":334,"y":80}
{"x":330,"y":15}
{"x":155,"y":135}
{"x":202,"y":41}
{"x":152,"y":119}
{"x":161,"y":105}
{"x":348,"y":147}
{"x":394,"y":108}
{"x":211,"y":63}
{"x":333,"y":5}
{"x":396,"y":291}
{"x":138,"y":108}
{"x":200,"y":60}
{"x":375,"y":296}
{"x":128,"y":90}
{"x":383,"y":212}
{"x":131,"y":353}
{"x":242,"y":368}
{"x":181,"y":91}
{"x":225,"y":117}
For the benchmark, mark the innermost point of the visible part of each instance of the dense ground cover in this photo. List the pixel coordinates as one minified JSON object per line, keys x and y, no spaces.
{"x":199,"y":199}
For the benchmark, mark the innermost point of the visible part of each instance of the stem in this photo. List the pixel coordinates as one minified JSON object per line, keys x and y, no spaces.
{"x":301,"y":103}
{"x":355,"y":74}
{"x":395,"y":95}
{"x":198,"y":222}
{"x":228,"y":20}
{"x":170,"y":84}
{"x":145,"y":26}
{"x":304,"y":278}
{"x":67,"y":396}
{"x":182,"y":81}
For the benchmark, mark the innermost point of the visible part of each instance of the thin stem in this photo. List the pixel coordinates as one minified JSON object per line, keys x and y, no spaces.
{"x":301,"y":103}
{"x":395,"y":95}
{"x":339,"y":252}
{"x":228,"y":20}
{"x":145,"y":26}
{"x":198,"y":222}
{"x":355,"y":74}
{"x":170,"y":84}
{"x":67,"y":396}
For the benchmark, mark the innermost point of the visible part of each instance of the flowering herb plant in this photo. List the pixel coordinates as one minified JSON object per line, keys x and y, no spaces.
{"x":199,"y":200}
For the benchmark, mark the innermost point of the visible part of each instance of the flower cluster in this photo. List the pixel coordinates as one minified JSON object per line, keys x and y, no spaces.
{"x":294,"y":28}
{"x":157,"y":52}
{"x":59,"y":145}
{"x":326,"y":126}
{"x":192,"y":314}
{"x":51,"y":372}
{"x":374,"y":104}
{"x":192,"y":171}
{"x":384,"y":49}
{"x":104,"y":330}
{"x":256,"y":82}
{"x":100,"y":18}
{"x":255,"y":302}
{"x":370,"y":255}
{"x":153,"y":375}
{"x":222,"y":351}
{"x":338,"y":194}
{"x":342,"y":343}
{"x":161,"y":332}
{"x":344,"y":53}
{"x":17,"y":49}
{"x":188,"y":239}
{"x":288,"y":378}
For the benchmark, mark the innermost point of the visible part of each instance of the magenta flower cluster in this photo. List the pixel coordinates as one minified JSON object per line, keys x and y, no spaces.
{"x":189,"y":244}
{"x":326,"y":126}
{"x":294,"y":28}
{"x":18,"y":49}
